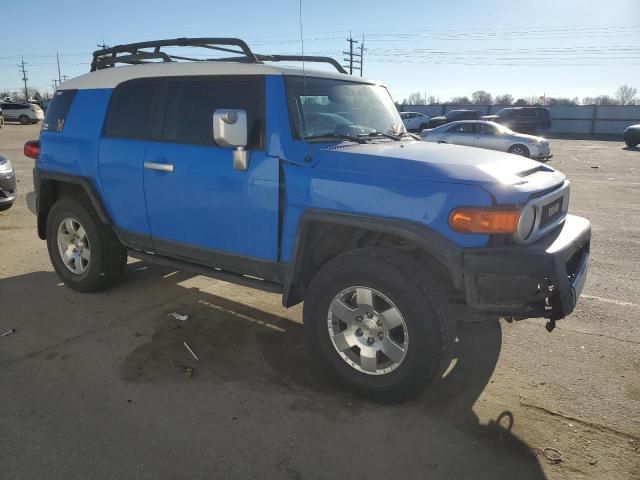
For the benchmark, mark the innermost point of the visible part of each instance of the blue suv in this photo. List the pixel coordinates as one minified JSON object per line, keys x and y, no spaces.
{"x":307,"y":184}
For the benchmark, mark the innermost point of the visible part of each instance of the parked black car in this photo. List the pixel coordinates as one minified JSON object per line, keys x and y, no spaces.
{"x":632,"y":135}
{"x":7,"y":184}
{"x":523,"y":119}
{"x":454,"y":116}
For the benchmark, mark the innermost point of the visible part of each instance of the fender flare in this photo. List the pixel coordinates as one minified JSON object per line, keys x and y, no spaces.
{"x":434,"y":243}
{"x":43,"y":182}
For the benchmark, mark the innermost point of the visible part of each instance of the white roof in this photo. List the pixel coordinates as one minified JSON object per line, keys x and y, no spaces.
{"x":110,"y":77}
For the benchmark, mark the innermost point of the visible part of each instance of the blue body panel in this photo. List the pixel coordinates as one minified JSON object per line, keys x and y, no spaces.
{"x":75,"y":150}
{"x":206,"y":204}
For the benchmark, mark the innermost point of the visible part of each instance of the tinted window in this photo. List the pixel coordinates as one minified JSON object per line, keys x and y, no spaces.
{"x":461,"y":128}
{"x":190,"y":105}
{"x":485,"y":129}
{"x":526,"y":112}
{"x":131,"y":110}
{"x":57,"y":111}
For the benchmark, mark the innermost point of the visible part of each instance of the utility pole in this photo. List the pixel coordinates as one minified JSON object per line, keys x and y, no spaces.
{"x":351,"y":60}
{"x":58,"y":59}
{"x":24,"y":78}
{"x":54,"y":81}
{"x":64,"y":78}
{"x":361,"y":54}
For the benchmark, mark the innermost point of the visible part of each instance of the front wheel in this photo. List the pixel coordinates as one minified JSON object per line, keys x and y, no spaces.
{"x":519,"y":150}
{"x":84,"y":252}
{"x":379,"y":324}
{"x":631,"y":143}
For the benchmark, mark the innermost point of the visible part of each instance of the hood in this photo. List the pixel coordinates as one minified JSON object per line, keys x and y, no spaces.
{"x":442,"y":163}
{"x":529,"y":137}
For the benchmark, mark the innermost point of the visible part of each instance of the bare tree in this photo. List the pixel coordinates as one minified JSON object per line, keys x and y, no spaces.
{"x":562,"y":101}
{"x":460,"y":101}
{"x":416,"y":98}
{"x":599,"y":100}
{"x":481,"y":97}
{"x":505,"y":99}
{"x":626,"y":95}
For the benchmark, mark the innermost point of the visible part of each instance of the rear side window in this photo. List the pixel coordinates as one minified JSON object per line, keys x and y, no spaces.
{"x":131,"y":110}
{"x":461,"y":128}
{"x":191,"y":102}
{"x":58,"y":110}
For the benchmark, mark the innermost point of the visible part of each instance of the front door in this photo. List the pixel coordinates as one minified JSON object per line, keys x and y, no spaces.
{"x":200,"y":208}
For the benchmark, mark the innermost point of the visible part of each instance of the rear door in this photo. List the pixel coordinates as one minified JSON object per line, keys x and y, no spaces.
{"x":125,"y":138}
{"x":460,"y":134}
{"x":200,"y":208}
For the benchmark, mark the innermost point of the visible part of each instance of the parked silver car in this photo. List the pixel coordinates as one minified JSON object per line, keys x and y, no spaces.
{"x":493,"y":136}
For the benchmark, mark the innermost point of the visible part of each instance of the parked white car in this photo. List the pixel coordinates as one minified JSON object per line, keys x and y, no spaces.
{"x":25,"y":113}
{"x":415,"y":121}
{"x":489,"y":135}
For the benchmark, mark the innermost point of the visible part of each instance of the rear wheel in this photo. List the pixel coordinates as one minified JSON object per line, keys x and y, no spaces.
{"x":379,"y":324}
{"x":84,"y":252}
{"x":1,"y":121}
{"x":519,"y":149}
{"x":24,"y":120}
{"x":5,"y":206}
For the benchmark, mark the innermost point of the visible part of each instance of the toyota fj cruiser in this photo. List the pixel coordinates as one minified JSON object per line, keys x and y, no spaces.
{"x":303,"y":183}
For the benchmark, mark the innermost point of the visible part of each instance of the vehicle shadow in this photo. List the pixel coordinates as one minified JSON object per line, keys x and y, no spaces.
{"x":241,"y":345}
{"x":631,"y":149}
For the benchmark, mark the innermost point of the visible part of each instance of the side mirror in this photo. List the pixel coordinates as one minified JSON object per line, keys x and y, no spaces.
{"x":230,"y":130}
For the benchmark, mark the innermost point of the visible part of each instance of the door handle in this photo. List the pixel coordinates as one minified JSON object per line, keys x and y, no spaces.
{"x":161,"y":167}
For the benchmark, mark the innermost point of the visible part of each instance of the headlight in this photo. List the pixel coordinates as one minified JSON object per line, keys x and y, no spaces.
{"x":6,"y":167}
{"x":526,"y":222}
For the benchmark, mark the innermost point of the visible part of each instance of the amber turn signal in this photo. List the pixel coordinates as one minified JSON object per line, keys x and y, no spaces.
{"x":484,"y":220}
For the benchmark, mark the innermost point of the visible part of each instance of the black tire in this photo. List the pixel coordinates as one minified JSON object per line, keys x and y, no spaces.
{"x":519,"y":149}
{"x":108,"y":257}
{"x":631,"y":143}
{"x":1,"y":121}
{"x":24,"y":120}
{"x":419,"y":299}
{"x":5,"y":207}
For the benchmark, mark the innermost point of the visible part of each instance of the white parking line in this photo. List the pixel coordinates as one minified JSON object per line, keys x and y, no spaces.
{"x":610,"y":300}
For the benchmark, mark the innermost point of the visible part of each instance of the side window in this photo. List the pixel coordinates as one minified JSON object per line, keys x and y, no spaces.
{"x":58,"y":110}
{"x":461,"y":128}
{"x":130,"y":112}
{"x":188,"y":115}
{"x":484,"y":129}
{"x":527,"y":112}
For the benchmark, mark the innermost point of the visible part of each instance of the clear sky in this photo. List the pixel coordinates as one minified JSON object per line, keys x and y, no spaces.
{"x":572,"y":48}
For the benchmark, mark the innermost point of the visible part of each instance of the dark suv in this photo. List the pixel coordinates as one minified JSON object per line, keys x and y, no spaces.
{"x":454,"y":116}
{"x":523,"y":119}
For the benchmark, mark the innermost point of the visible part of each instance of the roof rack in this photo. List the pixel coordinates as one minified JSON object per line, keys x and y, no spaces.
{"x":135,"y":53}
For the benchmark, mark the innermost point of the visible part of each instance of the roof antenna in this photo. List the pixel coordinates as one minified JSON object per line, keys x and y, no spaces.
{"x":307,"y":157}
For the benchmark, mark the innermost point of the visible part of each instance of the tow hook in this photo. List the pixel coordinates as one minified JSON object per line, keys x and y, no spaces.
{"x":551,"y":324}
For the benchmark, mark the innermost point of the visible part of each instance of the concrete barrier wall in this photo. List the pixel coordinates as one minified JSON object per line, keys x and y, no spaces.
{"x":579,"y":119}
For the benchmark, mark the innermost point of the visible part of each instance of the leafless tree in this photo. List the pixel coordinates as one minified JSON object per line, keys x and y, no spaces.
{"x":481,"y":97}
{"x":416,"y":98}
{"x":600,"y":100}
{"x":626,"y":95}
{"x":505,"y":99}
{"x":460,"y":101}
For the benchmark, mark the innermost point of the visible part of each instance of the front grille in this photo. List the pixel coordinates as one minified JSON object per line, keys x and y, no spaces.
{"x":551,"y":211}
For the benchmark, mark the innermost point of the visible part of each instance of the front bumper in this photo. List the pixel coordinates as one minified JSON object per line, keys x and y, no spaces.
{"x":540,"y":151}
{"x":543,"y":279}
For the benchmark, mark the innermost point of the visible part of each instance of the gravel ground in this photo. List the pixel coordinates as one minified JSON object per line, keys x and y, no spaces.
{"x":94,"y":386}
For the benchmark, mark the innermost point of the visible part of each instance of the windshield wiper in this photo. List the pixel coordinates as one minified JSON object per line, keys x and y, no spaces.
{"x":380,"y":134}
{"x":333,"y":136}
{"x":412,"y":135}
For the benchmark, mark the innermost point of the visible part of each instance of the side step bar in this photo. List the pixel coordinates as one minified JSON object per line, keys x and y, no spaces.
{"x":223,"y":275}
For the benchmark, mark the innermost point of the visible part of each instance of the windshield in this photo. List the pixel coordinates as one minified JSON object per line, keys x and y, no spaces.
{"x":334,"y":108}
{"x":503,"y":112}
